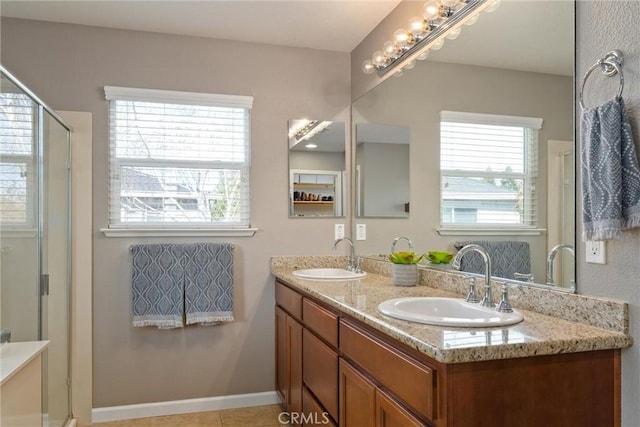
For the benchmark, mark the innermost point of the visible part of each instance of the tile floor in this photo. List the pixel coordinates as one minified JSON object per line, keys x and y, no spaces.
{"x":257,"y":416}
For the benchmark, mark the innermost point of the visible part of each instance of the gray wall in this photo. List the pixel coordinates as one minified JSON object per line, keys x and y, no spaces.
{"x":602,"y":26}
{"x":68,"y":66}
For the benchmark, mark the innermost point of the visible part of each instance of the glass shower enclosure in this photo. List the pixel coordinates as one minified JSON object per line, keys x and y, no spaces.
{"x":35,"y":243}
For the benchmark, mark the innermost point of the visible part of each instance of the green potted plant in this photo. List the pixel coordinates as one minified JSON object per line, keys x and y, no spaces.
{"x":405,"y":267}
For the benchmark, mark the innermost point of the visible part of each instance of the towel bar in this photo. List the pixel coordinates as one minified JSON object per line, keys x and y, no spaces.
{"x":611,"y":65}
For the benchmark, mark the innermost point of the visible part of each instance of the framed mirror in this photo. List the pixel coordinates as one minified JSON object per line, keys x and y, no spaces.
{"x":515,"y":62}
{"x":316,"y":168}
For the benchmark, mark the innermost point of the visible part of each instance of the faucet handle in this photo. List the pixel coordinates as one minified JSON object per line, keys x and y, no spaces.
{"x":358,"y":265}
{"x":505,"y":306}
{"x":472,"y":296}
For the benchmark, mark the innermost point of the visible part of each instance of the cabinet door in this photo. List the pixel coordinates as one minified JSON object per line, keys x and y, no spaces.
{"x":390,"y":414}
{"x":313,"y":413}
{"x":294,"y":330}
{"x":282,"y":368}
{"x":357,"y":398}
{"x":289,"y":361}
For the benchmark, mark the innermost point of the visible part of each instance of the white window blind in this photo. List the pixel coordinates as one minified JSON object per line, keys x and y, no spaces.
{"x":178,"y":160}
{"x":489,"y":169}
{"x":17,"y":157}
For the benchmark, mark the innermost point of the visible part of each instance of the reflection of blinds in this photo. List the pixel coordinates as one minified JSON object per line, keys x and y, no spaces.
{"x":488,"y":169}
{"x":178,"y":159}
{"x":16,"y":160}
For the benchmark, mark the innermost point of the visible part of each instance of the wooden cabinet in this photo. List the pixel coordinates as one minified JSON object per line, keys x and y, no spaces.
{"x":357,"y":398}
{"x":408,"y":379}
{"x":362,"y":403}
{"x":320,"y":372}
{"x":289,"y":360}
{"x":334,"y":367}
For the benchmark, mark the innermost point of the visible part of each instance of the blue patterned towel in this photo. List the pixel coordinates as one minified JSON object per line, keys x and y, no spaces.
{"x":507,"y":258}
{"x":157,"y":285}
{"x":209,"y":283}
{"x":610,"y":172}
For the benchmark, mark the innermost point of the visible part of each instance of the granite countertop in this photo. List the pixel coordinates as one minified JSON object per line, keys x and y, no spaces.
{"x":537,"y":335}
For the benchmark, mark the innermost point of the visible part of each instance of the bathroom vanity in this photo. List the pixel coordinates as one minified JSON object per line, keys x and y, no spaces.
{"x":341,"y":362}
{"x":20,"y":383}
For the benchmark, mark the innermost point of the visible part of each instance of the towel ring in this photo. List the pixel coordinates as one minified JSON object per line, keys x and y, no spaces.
{"x":611,"y":65}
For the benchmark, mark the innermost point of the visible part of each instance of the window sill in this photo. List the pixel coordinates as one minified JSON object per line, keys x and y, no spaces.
{"x":176,"y":232}
{"x":490,"y":231}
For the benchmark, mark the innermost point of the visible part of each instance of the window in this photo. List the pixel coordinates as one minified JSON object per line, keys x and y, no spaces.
{"x":17,"y":156}
{"x":488,"y":169}
{"x":178,"y":160}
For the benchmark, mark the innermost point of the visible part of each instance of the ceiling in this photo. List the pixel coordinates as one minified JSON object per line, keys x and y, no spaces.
{"x":337,"y":25}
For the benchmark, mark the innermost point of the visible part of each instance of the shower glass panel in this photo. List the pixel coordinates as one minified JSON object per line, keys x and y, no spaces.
{"x":55,"y":268}
{"x":35,"y":237}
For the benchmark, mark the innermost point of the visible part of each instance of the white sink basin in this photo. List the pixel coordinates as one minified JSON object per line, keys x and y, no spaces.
{"x":447,"y":312}
{"x":328,"y":273}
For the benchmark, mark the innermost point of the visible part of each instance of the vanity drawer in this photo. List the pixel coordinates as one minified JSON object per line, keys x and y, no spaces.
{"x":406,"y":378}
{"x":321,"y":321}
{"x":289,"y":300}
{"x":320,"y":371}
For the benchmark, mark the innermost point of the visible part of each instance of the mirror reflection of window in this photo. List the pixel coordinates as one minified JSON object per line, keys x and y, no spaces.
{"x":497,"y":186}
{"x":317,"y":183}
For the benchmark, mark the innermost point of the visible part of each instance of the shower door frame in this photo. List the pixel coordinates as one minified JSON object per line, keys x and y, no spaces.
{"x":42,"y":282}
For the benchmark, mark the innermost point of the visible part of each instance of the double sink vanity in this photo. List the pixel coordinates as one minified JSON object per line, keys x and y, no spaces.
{"x":341,"y":361}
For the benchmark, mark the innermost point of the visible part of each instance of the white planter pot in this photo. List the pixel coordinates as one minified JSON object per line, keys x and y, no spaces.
{"x":405,"y":274}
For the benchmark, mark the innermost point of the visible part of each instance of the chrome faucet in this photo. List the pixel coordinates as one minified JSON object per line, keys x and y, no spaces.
{"x":487,"y":301}
{"x":552,"y":257}
{"x":352,"y":263}
{"x":395,"y":241}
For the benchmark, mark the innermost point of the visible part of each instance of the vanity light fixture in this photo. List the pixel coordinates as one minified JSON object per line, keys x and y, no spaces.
{"x":440,"y":19}
{"x":310,"y":129}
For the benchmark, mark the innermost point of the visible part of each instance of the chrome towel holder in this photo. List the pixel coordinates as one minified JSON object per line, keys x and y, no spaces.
{"x":610,"y":65}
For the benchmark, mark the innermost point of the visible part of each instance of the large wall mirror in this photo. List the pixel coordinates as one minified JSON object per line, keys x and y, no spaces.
{"x":316,"y":168}
{"x":516,"y":63}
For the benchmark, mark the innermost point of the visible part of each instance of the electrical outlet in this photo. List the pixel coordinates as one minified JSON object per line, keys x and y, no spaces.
{"x":361,"y":231}
{"x":338,"y":231}
{"x":595,"y":252}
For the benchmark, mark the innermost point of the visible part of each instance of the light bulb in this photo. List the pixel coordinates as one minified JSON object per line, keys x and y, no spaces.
{"x":389,"y":48}
{"x":368,"y":67}
{"x":409,"y":65}
{"x":437,"y":45}
{"x":378,"y":58}
{"x":431,"y":10}
{"x":417,"y":25}
{"x":493,"y":6}
{"x":423,"y":56}
{"x":401,"y":37}
{"x":472,"y":20}
{"x":453,"y":34}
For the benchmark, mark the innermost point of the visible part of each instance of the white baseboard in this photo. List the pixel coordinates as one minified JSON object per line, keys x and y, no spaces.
{"x":158,"y":409}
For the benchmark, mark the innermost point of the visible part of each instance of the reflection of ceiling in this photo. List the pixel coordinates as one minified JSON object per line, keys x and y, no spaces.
{"x":331,"y":139}
{"x":371,"y":132}
{"x":338,"y":25}
{"x":525,"y":35}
